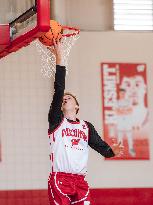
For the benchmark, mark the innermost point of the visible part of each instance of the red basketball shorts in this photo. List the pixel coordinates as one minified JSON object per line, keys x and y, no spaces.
{"x":67,"y":189}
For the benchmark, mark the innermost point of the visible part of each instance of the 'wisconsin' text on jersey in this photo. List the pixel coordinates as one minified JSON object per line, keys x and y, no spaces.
{"x":74,"y":133}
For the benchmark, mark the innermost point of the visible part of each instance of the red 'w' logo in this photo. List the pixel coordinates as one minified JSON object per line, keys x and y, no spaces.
{"x":75,"y":141}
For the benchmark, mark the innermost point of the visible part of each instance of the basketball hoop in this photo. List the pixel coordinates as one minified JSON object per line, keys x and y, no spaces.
{"x":69,"y":35}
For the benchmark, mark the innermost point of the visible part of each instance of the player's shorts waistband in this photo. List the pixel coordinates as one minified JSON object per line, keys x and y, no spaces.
{"x":67,"y":174}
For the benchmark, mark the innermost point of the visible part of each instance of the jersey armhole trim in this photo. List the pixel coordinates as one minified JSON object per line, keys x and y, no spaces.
{"x":58,"y":126}
{"x":88,"y":129}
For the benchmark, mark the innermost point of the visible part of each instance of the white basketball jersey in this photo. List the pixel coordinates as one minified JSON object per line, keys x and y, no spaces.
{"x":69,"y":147}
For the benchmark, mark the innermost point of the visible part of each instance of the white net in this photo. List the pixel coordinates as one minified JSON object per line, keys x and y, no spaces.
{"x":48,"y":60}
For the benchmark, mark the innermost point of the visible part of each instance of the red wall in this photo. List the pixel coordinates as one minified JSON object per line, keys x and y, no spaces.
{"x":130,"y":196}
{"x":126,"y":196}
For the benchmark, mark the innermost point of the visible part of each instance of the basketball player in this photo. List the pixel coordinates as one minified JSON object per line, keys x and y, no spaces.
{"x":136,"y":90}
{"x":70,"y":139}
{"x":124,"y":126}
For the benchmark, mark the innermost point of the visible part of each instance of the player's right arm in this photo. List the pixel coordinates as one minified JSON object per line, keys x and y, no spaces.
{"x":55,"y":115}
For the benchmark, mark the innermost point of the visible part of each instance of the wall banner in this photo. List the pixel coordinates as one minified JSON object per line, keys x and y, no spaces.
{"x":125,"y":108}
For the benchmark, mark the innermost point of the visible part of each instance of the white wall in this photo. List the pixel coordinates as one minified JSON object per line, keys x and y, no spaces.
{"x":92,"y":49}
{"x":87,"y":14}
{"x":24,"y":101}
{"x":58,"y":10}
{"x":25,"y":98}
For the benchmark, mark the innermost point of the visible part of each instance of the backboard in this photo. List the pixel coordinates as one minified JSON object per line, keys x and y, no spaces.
{"x":21,"y":22}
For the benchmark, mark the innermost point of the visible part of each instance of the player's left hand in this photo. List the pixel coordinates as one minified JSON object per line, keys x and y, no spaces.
{"x":118,"y":149}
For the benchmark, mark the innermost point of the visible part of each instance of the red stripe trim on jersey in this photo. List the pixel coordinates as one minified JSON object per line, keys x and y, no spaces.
{"x":74,"y":122}
{"x":88,"y":129}
{"x":52,"y":159}
{"x":53,"y":137}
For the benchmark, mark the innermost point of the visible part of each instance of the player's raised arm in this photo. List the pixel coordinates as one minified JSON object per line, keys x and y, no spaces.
{"x":55,"y":113}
